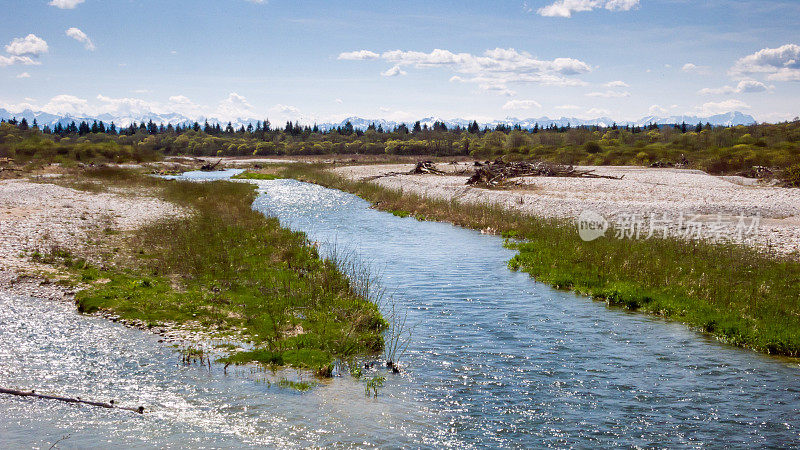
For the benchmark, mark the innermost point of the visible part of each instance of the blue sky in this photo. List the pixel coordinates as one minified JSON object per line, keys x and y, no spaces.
{"x":316,"y":60}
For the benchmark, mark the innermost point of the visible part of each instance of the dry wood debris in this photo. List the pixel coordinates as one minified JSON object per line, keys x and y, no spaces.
{"x":500,"y":172}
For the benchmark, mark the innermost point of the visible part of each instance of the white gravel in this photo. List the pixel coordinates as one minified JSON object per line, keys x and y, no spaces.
{"x":36,"y":216}
{"x":719,"y":203}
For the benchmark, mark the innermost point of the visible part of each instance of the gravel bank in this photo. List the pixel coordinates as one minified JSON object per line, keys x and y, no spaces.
{"x":724,"y":207}
{"x":36,"y":216}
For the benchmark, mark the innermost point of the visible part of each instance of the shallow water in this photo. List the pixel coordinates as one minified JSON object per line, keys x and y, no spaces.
{"x":495,"y":360}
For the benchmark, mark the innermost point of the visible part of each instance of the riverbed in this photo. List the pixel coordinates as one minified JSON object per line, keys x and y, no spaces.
{"x":494,"y":360}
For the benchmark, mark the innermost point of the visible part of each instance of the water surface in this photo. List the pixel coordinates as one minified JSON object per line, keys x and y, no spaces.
{"x":495,"y":360}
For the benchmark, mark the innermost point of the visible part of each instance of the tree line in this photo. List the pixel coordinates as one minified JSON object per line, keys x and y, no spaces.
{"x":717,"y":148}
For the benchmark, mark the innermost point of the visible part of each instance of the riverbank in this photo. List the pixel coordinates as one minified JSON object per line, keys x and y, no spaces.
{"x":641,"y":193}
{"x":738,"y":295}
{"x":39,"y":217}
{"x":165,"y":254}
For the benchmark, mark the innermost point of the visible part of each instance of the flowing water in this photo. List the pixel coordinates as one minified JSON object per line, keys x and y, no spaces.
{"x":494,"y":360}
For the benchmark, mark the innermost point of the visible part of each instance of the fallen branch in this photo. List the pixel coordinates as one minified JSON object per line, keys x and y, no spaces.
{"x":208,"y":167}
{"x":383,"y":175}
{"x":32,"y":393}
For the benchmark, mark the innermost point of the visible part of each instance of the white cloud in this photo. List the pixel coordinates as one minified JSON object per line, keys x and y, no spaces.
{"x":124,"y":106}
{"x":617,"y":83}
{"x":359,"y":55}
{"x":80,"y":36}
{"x":712,"y":108}
{"x":339,"y":101}
{"x":568,"y":107}
{"x":235,"y":106}
{"x":521,"y":104}
{"x":655,"y":110}
{"x":30,"y":45}
{"x":596,"y":112}
{"x":565,"y":8}
{"x":621,"y":5}
{"x":609,"y":94}
{"x":180,"y":99}
{"x":11,"y":60}
{"x":497,"y":89}
{"x":780,"y":64}
{"x":491,"y":71}
{"x":66,"y":104}
{"x":183,"y":105}
{"x":694,"y":68}
{"x":285,"y":109}
{"x":24,"y":75}
{"x":259,"y":2}
{"x":744,"y":86}
{"x":393,"y":71}
{"x":66,"y":4}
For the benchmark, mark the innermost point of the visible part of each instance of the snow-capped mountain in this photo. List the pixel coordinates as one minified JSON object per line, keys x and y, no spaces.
{"x":43,"y":118}
{"x":728,"y":119}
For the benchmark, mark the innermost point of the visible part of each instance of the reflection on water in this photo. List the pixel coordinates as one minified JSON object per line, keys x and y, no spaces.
{"x":495,"y":360}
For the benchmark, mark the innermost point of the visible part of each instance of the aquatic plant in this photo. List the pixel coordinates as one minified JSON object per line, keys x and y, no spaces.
{"x":301,"y":386}
{"x":372,"y":385}
{"x":399,"y":338}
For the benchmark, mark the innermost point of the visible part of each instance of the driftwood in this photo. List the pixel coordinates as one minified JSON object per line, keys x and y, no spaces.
{"x":32,"y":393}
{"x":208,"y":167}
{"x":662,"y":164}
{"x":425,"y":167}
{"x":757,"y":172}
{"x":422,"y":167}
{"x":499,"y":172}
{"x":681,"y":164}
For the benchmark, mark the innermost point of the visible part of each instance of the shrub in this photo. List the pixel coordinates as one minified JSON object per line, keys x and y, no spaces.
{"x":592,"y":147}
{"x":791,"y":176}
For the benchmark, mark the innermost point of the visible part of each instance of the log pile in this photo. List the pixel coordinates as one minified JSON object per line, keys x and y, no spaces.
{"x":498,"y":173}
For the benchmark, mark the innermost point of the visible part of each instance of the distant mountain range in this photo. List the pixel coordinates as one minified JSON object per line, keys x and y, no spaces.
{"x":43,"y":118}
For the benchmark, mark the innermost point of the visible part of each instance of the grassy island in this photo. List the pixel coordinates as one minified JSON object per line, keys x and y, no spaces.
{"x":228,"y":268}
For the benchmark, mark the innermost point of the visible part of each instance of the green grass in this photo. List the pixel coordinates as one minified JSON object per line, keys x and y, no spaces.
{"x":399,"y":213}
{"x":732,"y":292}
{"x":247,"y":175}
{"x":227,"y":267}
{"x":301,"y":386}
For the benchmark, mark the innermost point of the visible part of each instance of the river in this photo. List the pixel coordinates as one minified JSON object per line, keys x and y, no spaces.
{"x":494,"y":360}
